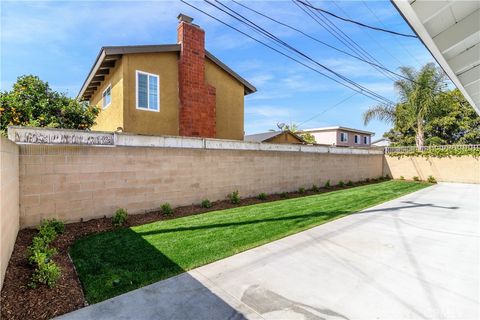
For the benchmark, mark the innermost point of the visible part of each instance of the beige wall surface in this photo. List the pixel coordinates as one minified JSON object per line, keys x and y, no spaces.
{"x":464,"y":169}
{"x":9,"y":201}
{"x":164,"y":122}
{"x":229,"y":102}
{"x":73,"y":182}
{"x":110,"y":118}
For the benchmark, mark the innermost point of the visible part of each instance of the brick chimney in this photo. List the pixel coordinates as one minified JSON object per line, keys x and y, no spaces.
{"x":197,"y":99}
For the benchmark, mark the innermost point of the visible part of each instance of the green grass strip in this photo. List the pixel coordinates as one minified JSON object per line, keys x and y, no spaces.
{"x":115,"y":262}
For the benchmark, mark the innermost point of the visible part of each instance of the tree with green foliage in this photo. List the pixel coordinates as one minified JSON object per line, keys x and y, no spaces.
{"x":32,"y":102}
{"x":419,"y":99}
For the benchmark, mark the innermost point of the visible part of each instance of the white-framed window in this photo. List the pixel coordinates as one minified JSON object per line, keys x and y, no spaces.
{"x":357,"y":139}
{"x":366,"y":140}
{"x":343,"y":137}
{"x":107,"y":96}
{"x":148,"y":91}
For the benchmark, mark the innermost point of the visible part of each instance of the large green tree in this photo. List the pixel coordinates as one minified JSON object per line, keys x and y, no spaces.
{"x":32,"y":102}
{"x":419,"y":98}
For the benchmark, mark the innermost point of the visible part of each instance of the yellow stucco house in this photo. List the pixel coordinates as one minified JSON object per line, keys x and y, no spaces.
{"x":174,"y":89}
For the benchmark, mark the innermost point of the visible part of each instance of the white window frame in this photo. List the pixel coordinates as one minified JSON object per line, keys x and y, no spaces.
{"x":137,"y":72}
{"x":344,"y":134}
{"x":357,"y":139}
{"x":104,"y":106}
{"x":366,"y":140}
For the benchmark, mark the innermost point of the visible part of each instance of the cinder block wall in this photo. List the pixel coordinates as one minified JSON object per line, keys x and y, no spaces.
{"x":74,"y":182}
{"x":464,"y":169}
{"x":9,"y":205}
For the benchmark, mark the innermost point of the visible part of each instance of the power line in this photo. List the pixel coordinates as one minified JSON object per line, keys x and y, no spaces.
{"x":356,"y":22}
{"x":319,"y":41}
{"x":257,"y":28}
{"x":327,"y":109}
{"x":284,"y":54}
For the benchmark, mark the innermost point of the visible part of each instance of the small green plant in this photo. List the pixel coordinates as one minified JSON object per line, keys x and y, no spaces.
{"x":350,"y":183}
{"x":234,"y":197}
{"x":327,"y":184}
{"x":166,"y":209}
{"x":416,"y":178}
{"x":315,"y":188}
{"x":367,"y":180}
{"x":47,"y":233}
{"x":57,"y":225}
{"x":388,"y":177}
{"x":431,"y":179}
{"x":402,"y":178}
{"x":206,"y":203}
{"x":39,"y":251}
{"x":283,"y":195}
{"x":341,"y":184}
{"x":301,"y":190}
{"x":46,"y":272}
{"x":262,"y":196}
{"x":120,"y":217}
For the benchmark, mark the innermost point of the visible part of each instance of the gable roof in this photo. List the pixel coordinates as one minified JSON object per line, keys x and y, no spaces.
{"x":338,"y":128}
{"x":108,"y":55}
{"x":265,"y":136}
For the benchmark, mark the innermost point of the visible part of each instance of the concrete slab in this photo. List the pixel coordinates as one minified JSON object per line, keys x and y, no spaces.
{"x":416,"y":257}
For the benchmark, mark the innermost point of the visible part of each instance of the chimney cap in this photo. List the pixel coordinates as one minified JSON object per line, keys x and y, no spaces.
{"x":184,"y":18}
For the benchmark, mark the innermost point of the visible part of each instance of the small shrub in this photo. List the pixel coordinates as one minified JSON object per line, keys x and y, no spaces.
{"x":388,"y":177}
{"x":120,"y":217}
{"x":315,"y":188}
{"x":416,"y":178}
{"x":39,"y":251}
{"x":45,"y":273}
{"x":283,"y":195}
{"x":367,"y":180}
{"x":341,"y":184}
{"x":327,"y":184}
{"x":431,"y":179}
{"x":57,"y":225}
{"x":301,"y":190}
{"x":402,"y":178}
{"x":206,"y":203}
{"x":234,"y":197}
{"x":381,"y":178}
{"x":166,"y":209}
{"x":350,"y":183}
{"x":262,"y":196}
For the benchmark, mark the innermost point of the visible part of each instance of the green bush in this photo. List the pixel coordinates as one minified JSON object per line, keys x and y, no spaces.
{"x":402,"y":178}
{"x":367,"y":180}
{"x":283,"y":195}
{"x":45,"y":273}
{"x":315,"y":188}
{"x":39,"y":251}
{"x":262,"y":196}
{"x":327,"y":184}
{"x":47,"y":233}
{"x":431,"y":179}
{"x":416,"y":178}
{"x":350,"y":183}
{"x":341,"y":184}
{"x":166,"y":209}
{"x":388,"y":177}
{"x":57,"y":225}
{"x":301,"y":190}
{"x":234,"y":197}
{"x":120,"y":217}
{"x":206,"y":203}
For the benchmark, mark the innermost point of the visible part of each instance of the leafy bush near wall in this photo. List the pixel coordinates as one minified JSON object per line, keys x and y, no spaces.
{"x":315,"y":188}
{"x":262,"y":196}
{"x":206,"y":203}
{"x":166,"y":209}
{"x":438,"y":153}
{"x":120,"y":217}
{"x":327,"y":184}
{"x":234,"y":197}
{"x":431,"y":179}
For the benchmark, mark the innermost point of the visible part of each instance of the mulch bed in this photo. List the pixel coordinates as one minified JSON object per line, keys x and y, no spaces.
{"x":18,"y":301}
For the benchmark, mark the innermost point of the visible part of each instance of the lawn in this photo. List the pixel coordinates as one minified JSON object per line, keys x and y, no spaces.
{"x":115,"y":262}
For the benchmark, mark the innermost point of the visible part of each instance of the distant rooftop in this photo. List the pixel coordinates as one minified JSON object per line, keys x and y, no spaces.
{"x":338,"y":128}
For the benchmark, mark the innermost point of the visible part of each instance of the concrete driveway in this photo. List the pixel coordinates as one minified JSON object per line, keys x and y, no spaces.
{"x":416,"y":257}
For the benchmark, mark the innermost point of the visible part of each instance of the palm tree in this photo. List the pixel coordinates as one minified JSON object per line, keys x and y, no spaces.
{"x":418,"y":93}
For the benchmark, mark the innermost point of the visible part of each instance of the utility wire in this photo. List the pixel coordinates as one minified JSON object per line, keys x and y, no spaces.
{"x":320,"y":41}
{"x":257,"y":28}
{"x":282,"y":53}
{"x":341,"y":36}
{"x":327,"y":109}
{"x":356,"y":22}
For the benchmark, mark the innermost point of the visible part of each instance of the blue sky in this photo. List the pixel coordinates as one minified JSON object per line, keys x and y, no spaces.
{"x":59,"y":40}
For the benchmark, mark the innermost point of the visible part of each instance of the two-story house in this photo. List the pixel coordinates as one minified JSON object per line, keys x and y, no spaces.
{"x":341,"y":136}
{"x":170,"y":89}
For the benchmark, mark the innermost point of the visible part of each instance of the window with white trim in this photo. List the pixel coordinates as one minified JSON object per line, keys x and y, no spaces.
{"x":148,"y":91}
{"x":343,"y":137}
{"x":366,"y":140}
{"x":357,"y":139}
{"x":107,"y":96}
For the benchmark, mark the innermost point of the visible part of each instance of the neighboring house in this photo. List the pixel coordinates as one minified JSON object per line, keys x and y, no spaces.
{"x":341,"y":136}
{"x":275,"y":137}
{"x":384,"y":142}
{"x":174,"y":89}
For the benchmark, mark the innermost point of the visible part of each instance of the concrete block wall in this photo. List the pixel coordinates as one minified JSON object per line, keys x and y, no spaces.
{"x":464,"y":169}
{"x":9,"y":201}
{"x":84,"y":182}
